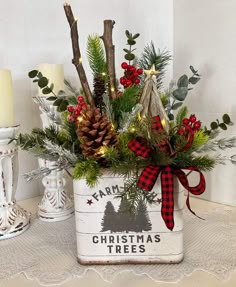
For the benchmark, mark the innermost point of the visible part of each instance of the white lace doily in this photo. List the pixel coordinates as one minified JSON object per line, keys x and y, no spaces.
{"x":47,"y":252}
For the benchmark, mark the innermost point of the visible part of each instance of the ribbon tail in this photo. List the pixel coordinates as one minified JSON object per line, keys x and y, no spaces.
{"x":148,"y":177}
{"x":190,"y":209}
{"x":196,"y":190}
{"x":167,"y":208}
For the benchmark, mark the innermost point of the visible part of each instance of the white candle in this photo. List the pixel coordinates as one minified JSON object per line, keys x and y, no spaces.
{"x":6,"y":99}
{"x":55,"y":74}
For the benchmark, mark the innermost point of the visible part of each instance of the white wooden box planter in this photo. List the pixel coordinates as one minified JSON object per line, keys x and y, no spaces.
{"x":106,"y":235}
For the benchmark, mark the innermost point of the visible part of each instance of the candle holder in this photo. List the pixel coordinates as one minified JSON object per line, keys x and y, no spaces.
{"x":56,"y":204}
{"x":14,"y":220}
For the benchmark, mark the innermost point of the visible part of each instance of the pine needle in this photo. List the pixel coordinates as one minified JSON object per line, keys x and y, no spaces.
{"x":96,"y":55}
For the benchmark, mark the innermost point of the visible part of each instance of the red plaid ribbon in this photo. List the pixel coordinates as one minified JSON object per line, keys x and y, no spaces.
{"x":150,"y":174}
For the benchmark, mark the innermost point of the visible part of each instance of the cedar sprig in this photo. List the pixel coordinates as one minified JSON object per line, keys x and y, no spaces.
{"x":158,"y":58}
{"x":96,"y":55}
{"x":89,"y":169}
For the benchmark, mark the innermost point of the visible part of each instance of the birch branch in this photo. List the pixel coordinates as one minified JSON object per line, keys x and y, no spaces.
{"x":77,"y":60}
{"x":110,"y":56}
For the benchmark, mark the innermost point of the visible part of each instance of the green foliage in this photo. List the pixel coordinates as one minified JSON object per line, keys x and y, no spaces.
{"x":88,"y":170}
{"x":181,"y":92}
{"x":186,"y":159}
{"x":96,"y":55}
{"x":182,"y":113}
{"x":41,"y":81}
{"x":125,"y":102}
{"x":215,"y":125}
{"x":60,"y":100}
{"x":159,"y":59}
{"x":200,"y":138}
{"x":131,"y":41}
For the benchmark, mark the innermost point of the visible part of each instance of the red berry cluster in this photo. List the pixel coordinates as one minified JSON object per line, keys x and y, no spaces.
{"x":76,"y":110}
{"x":189,"y":124}
{"x":131,"y":75}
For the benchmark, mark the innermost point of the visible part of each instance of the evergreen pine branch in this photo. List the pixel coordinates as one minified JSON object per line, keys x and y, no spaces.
{"x":200,"y":139}
{"x":37,"y":173}
{"x":96,"y":55}
{"x":52,"y":115}
{"x":151,"y":57}
{"x":60,"y":152}
{"x":88,"y":170}
{"x":127,"y":118}
{"x":108,"y":108}
{"x":223,"y":143}
{"x":186,"y":159}
{"x":182,"y":113}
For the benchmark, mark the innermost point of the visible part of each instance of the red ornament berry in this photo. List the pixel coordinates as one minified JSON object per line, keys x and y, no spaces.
{"x":128,"y":83}
{"x":124,"y":65}
{"x":70,"y":109}
{"x":83,"y":105}
{"x":80,"y":99}
{"x":135,"y":74}
{"x":76,"y":112}
{"x":185,"y":121}
{"x":197,"y":125}
{"x":136,"y":81}
{"x":132,"y":69}
{"x":128,"y":67}
{"x":70,"y":118}
{"x":122,"y":81}
{"x":181,"y":131}
{"x":140,"y":71}
{"x":192,"y":118}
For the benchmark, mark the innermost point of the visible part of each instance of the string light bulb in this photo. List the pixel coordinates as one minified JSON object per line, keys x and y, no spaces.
{"x":80,"y":119}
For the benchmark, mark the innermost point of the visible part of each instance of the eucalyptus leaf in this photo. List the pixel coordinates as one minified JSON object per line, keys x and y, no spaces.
{"x":43,"y":82}
{"x":63,"y":106}
{"x":46,"y":91}
{"x":129,"y":57}
{"x":127,"y":33}
{"x":183,"y":81}
{"x":126,"y":50}
{"x":223,"y":126}
{"x":61,"y":94}
{"x":52,"y":98}
{"x":136,"y":36}
{"x":171,"y":117}
{"x":226,"y":119}
{"x":58,"y":102}
{"x":180,"y":93}
{"x":33,"y":73}
{"x":40,"y":75}
{"x":131,"y":42}
{"x":192,"y":69}
{"x":52,"y":86}
{"x":214,"y":125}
{"x":193,"y":80}
{"x":176,"y":106}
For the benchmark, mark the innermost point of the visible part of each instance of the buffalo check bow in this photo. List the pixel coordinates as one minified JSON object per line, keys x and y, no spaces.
{"x":150,"y":174}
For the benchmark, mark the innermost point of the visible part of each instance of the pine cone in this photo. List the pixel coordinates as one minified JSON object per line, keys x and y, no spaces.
{"x":95,"y":131}
{"x":99,"y":86}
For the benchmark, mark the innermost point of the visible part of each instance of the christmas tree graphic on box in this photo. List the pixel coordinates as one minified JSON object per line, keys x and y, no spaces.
{"x":123,"y":221}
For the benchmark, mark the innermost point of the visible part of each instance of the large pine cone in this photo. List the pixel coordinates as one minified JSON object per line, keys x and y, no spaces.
{"x":95,"y":131}
{"x":99,"y":86}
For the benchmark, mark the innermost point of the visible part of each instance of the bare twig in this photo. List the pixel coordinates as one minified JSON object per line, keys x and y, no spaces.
{"x":76,"y":53}
{"x":110,"y":56}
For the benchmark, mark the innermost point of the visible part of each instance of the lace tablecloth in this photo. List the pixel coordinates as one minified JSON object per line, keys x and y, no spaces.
{"x":47,"y":252}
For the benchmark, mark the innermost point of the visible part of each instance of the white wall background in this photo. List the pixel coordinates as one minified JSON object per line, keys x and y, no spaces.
{"x":205,"y":36}
{"x":33,"y":32}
